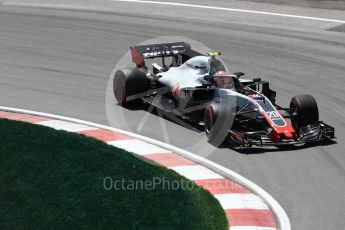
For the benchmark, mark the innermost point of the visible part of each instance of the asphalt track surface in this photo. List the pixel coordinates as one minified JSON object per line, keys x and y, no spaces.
{"x":59,"y":61}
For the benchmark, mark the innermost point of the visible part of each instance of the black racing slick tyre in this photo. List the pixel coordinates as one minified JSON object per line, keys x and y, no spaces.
{"x":305,"y":110}
{"x":216,"y":122}
{"x":130,"y":84}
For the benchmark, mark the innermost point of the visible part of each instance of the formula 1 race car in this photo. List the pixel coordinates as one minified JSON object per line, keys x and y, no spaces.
{"x":197,"y":87}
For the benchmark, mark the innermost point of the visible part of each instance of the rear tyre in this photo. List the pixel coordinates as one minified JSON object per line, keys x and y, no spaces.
{"x":130,"y":84}
{"x":305,"y":110}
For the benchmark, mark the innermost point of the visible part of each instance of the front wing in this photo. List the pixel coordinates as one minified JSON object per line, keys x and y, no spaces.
{"x":316,"y":132}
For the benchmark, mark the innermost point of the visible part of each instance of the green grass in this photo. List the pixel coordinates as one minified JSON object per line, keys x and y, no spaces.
{"x":54,"y":180}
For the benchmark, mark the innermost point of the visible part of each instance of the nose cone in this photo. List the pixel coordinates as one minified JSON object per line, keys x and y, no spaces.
{"x":287,"y":134}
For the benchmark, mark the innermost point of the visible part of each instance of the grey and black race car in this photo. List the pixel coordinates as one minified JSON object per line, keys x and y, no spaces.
{"x":198,"y":87}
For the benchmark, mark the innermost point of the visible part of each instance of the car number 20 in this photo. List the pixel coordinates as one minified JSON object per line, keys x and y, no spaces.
{"x":273,"y":114}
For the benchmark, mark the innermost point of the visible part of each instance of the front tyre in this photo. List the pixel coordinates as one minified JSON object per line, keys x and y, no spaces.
{"x":217,"y":122}
{"x":209,"y":121}
{"x":305,"y":111}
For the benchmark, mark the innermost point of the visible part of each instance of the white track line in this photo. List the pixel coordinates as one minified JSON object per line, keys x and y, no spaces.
{"x":137,"y":146}
{"x":251,"y":228}
{"x":241,"y":201}
{"x":196,"y":172}
{"x":232,"y":9}
{"x":65,"y":125}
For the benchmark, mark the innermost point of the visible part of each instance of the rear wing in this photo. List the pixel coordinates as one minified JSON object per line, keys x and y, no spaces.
{"x":142,"y":52}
